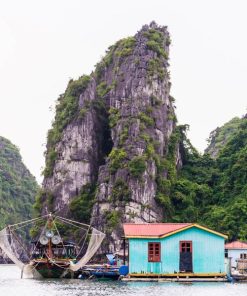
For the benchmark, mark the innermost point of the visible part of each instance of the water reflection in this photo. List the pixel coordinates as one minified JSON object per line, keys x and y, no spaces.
{"x":12,"y":285}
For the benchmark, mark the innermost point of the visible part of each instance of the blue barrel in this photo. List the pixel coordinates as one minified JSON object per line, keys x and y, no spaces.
{"x":123,"y":270}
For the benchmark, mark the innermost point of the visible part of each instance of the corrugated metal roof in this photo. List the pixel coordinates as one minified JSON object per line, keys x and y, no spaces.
{"x":152,"y":229}
{"x":236,"y":245}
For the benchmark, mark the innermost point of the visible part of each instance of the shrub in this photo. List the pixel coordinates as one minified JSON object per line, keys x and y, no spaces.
{"x":102,"y":89}
{"x":81,"y":205}
{"x":145,"y":137}
{"x":172,"y":117}
{"x":146,"y":119}
{"x":150,"y":149}
{"x":50,"y":162}
{"x":155,"y":67}
{"x":124,"y":135}
{"x":165,"y":201}
{"x":137,"y":166}
{"x":117,"y":156}
{"x":149,"y":110}
{"x":156,"y":42}
{"x":112,"y":220}
{"x":50,"y":201}
{"x":168,"y":41}
{"x":156,"y":47}
{"x":38,"y":201}
{"x":164,"y":185}
{"x":172,"y":99}
{"x":114,"y":116}
{"x":82,"y":113}
{"x":125,"y":47}
{"x":76,"y":87}
{"x":120,"y":191}
{"x":105,"y":62}
{"x":154,"y":35}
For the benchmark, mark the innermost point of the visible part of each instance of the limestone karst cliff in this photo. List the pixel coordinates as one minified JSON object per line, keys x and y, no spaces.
{"x":115,"y":154}
{"x":113,"y":146}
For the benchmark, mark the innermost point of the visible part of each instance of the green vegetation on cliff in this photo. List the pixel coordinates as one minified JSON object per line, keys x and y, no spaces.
{"x":66,"y":111}
{"x":17,"y":186}
{"x":219,"y":137}
{"x":213,"y":191}
{"x":81,"y":206}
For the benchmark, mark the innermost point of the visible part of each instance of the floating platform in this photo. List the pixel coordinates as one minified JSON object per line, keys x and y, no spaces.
{"x":184,"y":280}
{"x":177,"y":277}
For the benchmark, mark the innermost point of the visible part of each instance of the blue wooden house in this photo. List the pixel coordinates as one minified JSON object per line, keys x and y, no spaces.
{"x":174,"y":249}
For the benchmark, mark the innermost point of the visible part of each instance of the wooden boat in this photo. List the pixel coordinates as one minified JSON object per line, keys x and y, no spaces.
{"x":106,"y":273}
{"x":51,"y":256}
{"x":100,"y":272}
{"x":51,"y":260}
{"x":112,"y":270}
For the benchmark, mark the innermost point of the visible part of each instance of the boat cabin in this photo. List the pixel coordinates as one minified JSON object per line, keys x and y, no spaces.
{"x":174,"y":249}
{"x":60,"y":250}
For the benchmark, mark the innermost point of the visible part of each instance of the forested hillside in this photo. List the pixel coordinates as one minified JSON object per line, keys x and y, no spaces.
{"x":220,"y":136}
{"x":213,"y":192}
{"x":17,"y":186}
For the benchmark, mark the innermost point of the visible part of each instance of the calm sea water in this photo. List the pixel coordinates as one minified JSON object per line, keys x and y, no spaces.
{"x":12,"y":285}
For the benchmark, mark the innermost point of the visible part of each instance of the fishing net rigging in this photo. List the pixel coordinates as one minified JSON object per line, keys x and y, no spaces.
{"x":57,"y":243}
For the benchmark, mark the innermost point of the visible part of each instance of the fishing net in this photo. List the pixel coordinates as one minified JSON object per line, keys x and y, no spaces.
{"x":6,"y":244}
{"x":11,"y":247}
{"x":94,"y":243}
{"x":15,"y":242}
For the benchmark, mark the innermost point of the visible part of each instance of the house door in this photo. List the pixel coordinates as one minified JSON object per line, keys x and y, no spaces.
{"x":185,"y":261}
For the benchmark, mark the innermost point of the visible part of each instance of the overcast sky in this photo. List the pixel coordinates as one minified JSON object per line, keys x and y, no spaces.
{"x":44,"y":43}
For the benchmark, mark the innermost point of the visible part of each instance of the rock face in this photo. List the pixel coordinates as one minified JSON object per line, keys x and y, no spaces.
{"x":112,"y":132}
{"x":78,"y":159}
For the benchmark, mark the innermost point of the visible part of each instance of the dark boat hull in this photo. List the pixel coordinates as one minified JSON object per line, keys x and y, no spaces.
{"x":113,"y":275}
{"x":100,"y":272}
{"x":50,"y":270}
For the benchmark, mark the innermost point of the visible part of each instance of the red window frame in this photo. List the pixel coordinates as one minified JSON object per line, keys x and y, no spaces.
{"x":185,"y":246}
{"x":154,"y":252}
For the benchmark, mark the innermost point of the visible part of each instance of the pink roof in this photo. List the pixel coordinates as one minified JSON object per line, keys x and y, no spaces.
{"x":236,"y":245}
{"x":152,"y":229}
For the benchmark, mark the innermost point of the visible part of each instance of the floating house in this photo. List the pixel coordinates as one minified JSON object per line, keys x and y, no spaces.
{"x":236,"y":251}
{"x":174,"y":250}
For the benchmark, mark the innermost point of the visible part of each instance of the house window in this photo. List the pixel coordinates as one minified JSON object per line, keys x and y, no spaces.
{"x":243,"y":256}
{"x":226,"y":253}
{"x":153,"y":252}
{"x":186,"y":247}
